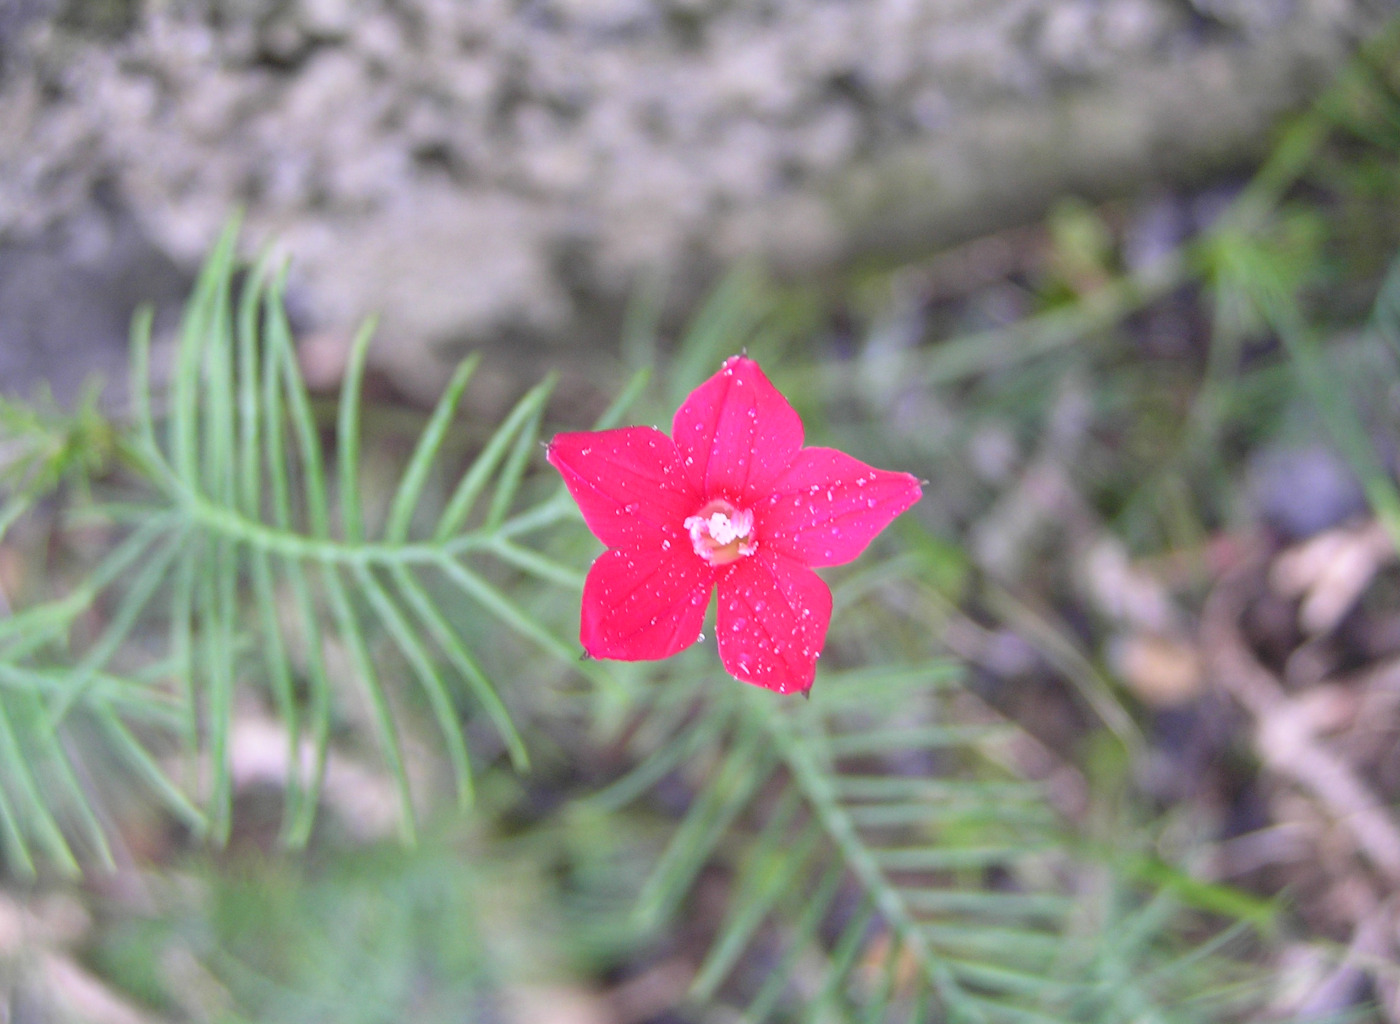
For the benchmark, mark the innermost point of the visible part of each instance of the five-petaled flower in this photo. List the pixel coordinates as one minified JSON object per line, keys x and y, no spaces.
{"x":730,"y":500}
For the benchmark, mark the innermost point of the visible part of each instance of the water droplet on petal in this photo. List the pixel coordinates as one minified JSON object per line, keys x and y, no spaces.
{"x":665,"y":545}
{"x":739,"y":624}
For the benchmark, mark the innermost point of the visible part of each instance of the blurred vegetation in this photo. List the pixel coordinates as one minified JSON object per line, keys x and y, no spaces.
{"x":293,"y":727}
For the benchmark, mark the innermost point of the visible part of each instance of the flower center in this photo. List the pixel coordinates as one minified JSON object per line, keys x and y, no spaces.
{"x":722,"y":533}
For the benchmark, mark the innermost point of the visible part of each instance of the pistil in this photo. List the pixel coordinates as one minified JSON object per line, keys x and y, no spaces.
{"x":722,"y":533}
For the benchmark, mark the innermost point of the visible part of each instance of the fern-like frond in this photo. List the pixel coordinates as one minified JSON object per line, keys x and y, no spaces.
{"x":249,"y":564}
{"x":889,"y":863}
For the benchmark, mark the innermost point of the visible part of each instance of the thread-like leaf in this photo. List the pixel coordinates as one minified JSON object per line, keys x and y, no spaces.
{"x":465,"y":663}
{"x":282,"y":354}
{"x":216,"y":595}
{"x":134,"y":753}
{"x":348,"y":434}
{"x":143,"y":587}
{"x":196,"y":330}
{"x":75,"y":798}
{"x":40,"y":621}
{"x":350,"y":633}
{"x":680,"y":748}
{"x":773,"y":866}
{"x":32,"y":808}
{"x":426,"y":452}
{"x":277,"y":661}
{"x":540,"y":566}
{"x":814,"y":909}
{"x":721,"y":327}
{"x":725,"y":795}
{"x":459,"y":506}
{"x":512,"y":472}
{"x":216,"y":391}
{"x":421,"y":662}
{"x":843,"y":956}
{"x":625,"y":399}
{"x":319,"y":700}
{"x":249,"y":383}
{"x":134,"y":700}
{"x":509,"y":613}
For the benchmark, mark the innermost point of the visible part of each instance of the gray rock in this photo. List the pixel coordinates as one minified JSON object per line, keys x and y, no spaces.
{"x":502,"y":170}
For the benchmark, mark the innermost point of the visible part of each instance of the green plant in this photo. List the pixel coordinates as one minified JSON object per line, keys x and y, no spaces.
{"x":888,"y":849}
{"x":884,"y":844}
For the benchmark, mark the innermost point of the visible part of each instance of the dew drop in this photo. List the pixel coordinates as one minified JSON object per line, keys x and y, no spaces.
{"x":665,"y":545}
{"x":829,"y":495}
{"x":700,"y":639}
{"x":739,"y":624}
{"x":870,"y":503}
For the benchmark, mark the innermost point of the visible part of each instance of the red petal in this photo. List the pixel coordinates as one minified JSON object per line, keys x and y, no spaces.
{"x":628,"y":483}
{"x":772,"y":621}
{"x":736,"y":433}
{"x":644,"y":603}
{"x":828,"y":506}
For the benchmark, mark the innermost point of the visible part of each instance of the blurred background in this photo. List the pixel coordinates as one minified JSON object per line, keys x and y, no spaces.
{"x":507,"y":173}
{"x":1118,"y":277}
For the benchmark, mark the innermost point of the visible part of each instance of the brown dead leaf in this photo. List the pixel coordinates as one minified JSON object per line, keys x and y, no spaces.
{"x":1330,"y":572}
{"x":1161,"y":671}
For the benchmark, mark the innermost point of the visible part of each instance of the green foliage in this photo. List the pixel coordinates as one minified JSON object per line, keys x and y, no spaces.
{"x":887,"y":851}
{"x":889,"y":859}
{"x":237,"y":563}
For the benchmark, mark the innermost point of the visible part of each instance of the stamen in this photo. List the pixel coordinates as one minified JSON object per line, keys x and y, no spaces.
{"x":721,"y":533}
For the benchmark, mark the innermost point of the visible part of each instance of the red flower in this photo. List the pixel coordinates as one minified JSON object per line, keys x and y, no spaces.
{"x":733,"y":500}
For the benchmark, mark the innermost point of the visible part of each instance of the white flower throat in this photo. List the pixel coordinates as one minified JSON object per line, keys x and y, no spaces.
{"x":722,"y":533}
